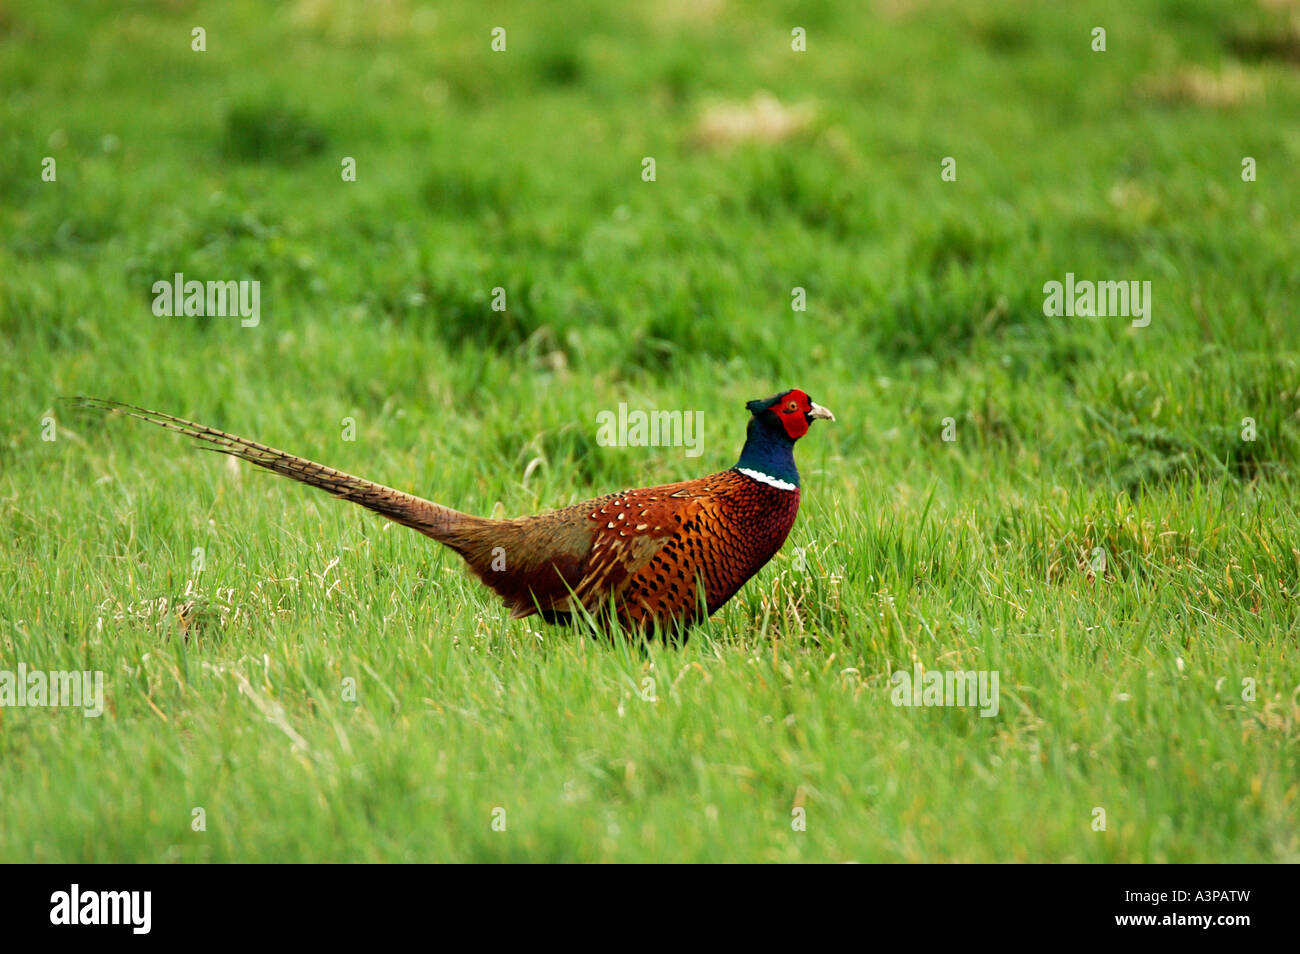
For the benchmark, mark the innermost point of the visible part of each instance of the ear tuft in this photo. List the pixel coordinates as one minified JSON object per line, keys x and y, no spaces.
{"x":756,"y":406}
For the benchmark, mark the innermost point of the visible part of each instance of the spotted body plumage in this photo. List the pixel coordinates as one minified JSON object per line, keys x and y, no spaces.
{"x":669,"y":554}
{"x":654,"y":559}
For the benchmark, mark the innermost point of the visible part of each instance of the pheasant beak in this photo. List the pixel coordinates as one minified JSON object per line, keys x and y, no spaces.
{"x":819,"y":413}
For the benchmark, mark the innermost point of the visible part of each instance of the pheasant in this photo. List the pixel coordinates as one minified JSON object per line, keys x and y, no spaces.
{"x":656,"y":559}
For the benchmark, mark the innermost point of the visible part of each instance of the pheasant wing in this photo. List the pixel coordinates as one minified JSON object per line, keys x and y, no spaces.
{"x":639,"y":555}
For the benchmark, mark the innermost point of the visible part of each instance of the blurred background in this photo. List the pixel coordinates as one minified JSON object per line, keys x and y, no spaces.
{"x":775,"y":169}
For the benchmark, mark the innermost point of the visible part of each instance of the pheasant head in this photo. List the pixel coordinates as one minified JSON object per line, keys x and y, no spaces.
{"x":774,"y":426}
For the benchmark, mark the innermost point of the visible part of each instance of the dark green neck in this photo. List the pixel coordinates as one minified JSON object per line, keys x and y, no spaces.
{"x":770,"y":451}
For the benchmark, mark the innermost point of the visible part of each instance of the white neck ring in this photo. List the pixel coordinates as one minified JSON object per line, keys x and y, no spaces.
{"x":767,"y":479}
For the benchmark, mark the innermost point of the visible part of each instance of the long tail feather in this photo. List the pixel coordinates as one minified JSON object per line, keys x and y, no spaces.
{"x":429,"y":518}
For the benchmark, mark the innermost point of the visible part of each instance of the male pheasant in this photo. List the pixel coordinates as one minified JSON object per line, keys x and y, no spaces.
{"x":660,"y":558}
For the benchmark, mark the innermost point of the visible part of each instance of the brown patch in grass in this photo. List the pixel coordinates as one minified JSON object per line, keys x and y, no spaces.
{"x":1227,"y":88}
{"x":762,"y":118}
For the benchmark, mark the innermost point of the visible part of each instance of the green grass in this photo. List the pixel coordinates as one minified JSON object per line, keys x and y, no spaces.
{"x":1120,"y":689}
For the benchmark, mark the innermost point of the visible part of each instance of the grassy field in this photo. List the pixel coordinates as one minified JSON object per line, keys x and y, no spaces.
{"x":1101,"y":530}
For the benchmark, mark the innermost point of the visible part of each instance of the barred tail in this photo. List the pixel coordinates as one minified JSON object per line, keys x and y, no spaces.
{"x":429,"y":518}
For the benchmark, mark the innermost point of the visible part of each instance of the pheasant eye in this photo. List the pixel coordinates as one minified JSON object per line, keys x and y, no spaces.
{"x":792,"y":406}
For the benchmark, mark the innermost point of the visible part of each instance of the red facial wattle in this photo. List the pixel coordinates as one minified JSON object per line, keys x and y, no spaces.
{"x":792,"y":409}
